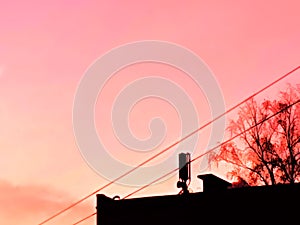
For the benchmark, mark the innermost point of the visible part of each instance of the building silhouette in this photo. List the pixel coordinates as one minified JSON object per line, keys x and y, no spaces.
{"x":219,"y":202}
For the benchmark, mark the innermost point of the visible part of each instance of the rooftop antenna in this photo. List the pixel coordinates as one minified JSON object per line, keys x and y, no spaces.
{"x":184,"y":172}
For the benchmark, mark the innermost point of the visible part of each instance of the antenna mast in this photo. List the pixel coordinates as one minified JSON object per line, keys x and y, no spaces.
{"x":184,"y":172}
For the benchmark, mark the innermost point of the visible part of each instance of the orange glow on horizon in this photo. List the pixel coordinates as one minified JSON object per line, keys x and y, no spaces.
{"x":45,"y":49}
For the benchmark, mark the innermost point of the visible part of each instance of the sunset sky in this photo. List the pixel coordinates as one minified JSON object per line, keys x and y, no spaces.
{"x":46,"y":48}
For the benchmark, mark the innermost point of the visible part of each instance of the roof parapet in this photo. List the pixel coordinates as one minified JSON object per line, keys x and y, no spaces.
{"x":212,"y":182}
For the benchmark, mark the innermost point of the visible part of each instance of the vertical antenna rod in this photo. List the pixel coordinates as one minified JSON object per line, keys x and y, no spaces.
{"x":184,"y":172}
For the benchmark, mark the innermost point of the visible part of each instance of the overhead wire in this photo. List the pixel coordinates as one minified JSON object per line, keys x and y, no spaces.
{"x":169,"y":147}
{"x":214,"y":148}
{"x":198,"y":157}
{"x":85,"y":218}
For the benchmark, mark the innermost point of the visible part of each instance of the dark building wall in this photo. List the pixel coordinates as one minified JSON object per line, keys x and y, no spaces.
{"x":249,"y":205}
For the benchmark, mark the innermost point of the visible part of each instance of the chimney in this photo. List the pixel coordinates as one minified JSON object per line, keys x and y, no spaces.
{"x":213,"y":183}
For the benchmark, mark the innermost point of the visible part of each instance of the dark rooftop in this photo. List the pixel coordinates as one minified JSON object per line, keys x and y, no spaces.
{"x":251,"y":205}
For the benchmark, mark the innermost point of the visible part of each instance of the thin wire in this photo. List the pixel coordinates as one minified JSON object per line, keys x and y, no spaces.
{"x":154,"y":181}
{"x":166,"y":149}
{"x":74,"y":204}
{"x":214,"y":148}
{"x":198,"y":157}
{"x":85,"y":218}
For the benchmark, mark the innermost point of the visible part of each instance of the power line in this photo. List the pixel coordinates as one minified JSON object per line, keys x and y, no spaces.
{"x":169,"y":147}
{"x":85,"y":218}
{"x":154,"y":181}
{"x":74,"y":204}
{"x":198,"y":157}
{"x":214,"y":148}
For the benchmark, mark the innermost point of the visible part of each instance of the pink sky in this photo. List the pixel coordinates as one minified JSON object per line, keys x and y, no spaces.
{"x":45,"y":49}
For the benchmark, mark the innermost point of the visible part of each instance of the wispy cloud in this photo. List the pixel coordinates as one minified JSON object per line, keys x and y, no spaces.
{"x":34,"y":204}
